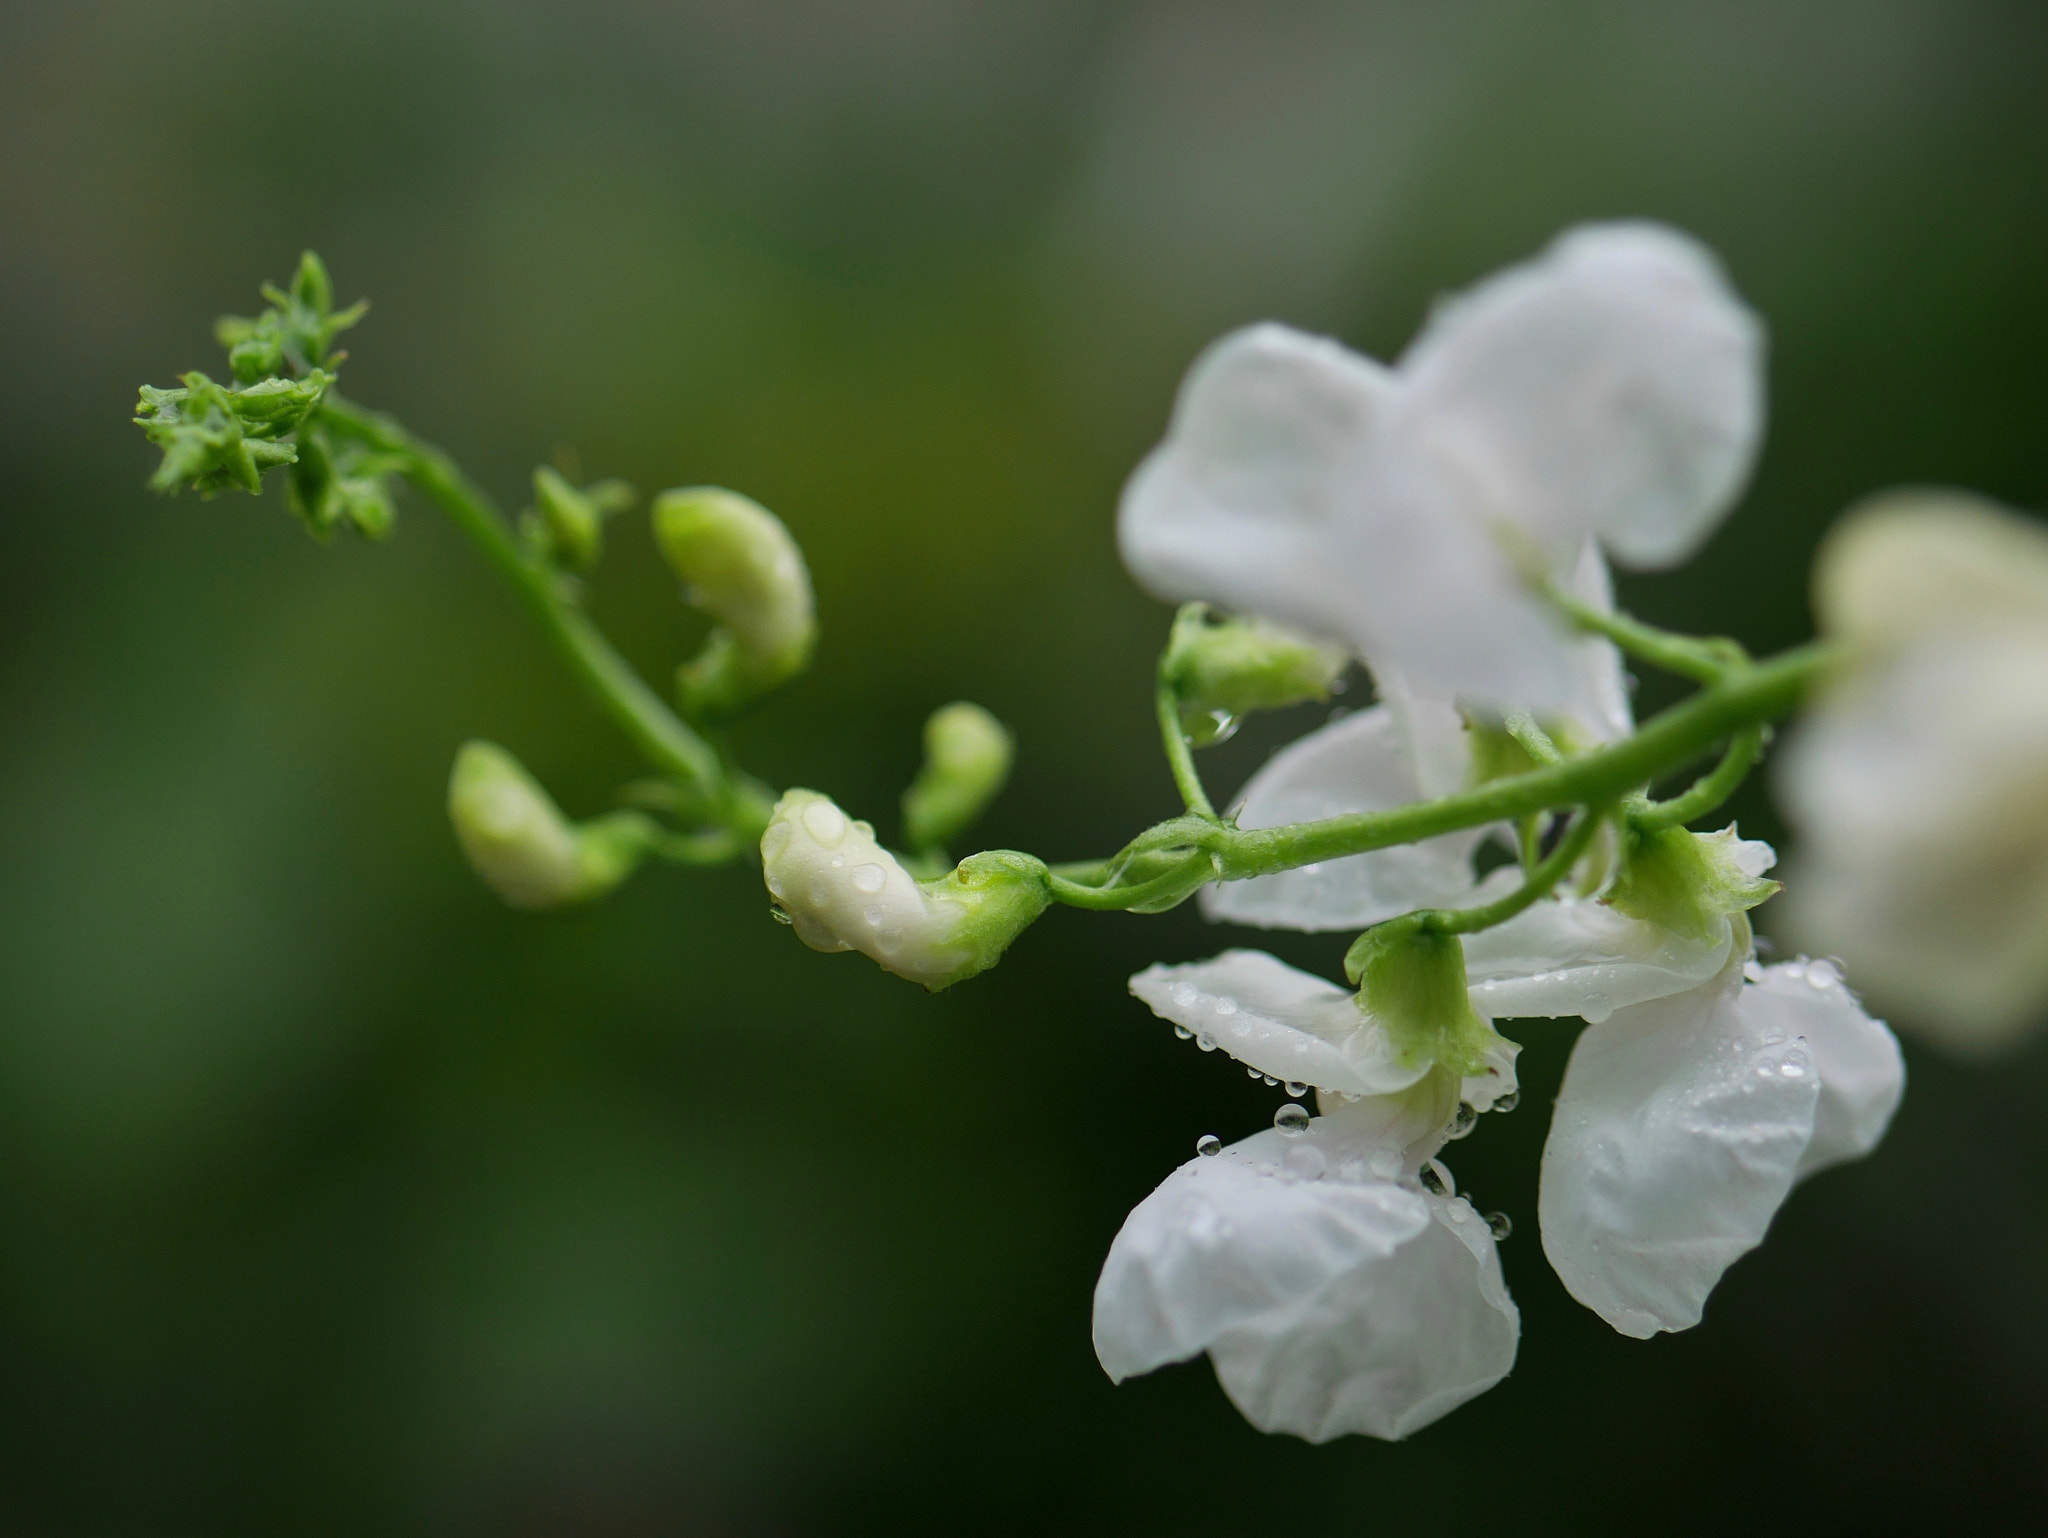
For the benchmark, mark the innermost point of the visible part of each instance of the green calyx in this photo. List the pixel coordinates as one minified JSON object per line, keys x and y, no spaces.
{"x":1688,"y":883}
{"x":567,"y":521}
{"x":997,"y":895}
{"x":967,"y":756}
{"x":1411,"y":980}
{"x":1219,"y":670}
{"x":217,"y":438}
{"x":296,"y":334}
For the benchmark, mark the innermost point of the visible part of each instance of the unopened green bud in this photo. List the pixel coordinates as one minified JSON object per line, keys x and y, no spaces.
{"x":520,"y":843}
{"x":571,"y":518}
{"x":1691,"y":883}
{"x":842,"y":891}
{"x":1233,"y":666}
{"x":740,"y":566}
{"x":967,"y":754}
{"x":1411,"y":980}
{"x":331,"y":487}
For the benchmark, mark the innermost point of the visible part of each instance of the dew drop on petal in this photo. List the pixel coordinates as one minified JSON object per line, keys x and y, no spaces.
{"x":1292,"y":1119}
{"x":869,"y":878}
{"x":1184,"y":994}
{"x":1208,"y":1145}
{"x":1305,"y":1161}
{"x":1508,"y":1101}
{"x":1269,"y":1079}
{"x":1436,"y":1180}
{"x":1384,"y":1162}
{"x":873,"y":914}
{"x":1226,"y":1006}
{"x":827,"y":824}
{"x":1183,"y":1033}
{"x":1499,"y":1224}
{"x":780,"y":914}
{"x":1752,"y":971}
{"x":1253,"y":1073}
{"x":1823,"y":974}
{"x":1462,"y":1122}
{"x":1296,"y":1088}
{"x":1206,"y":1042}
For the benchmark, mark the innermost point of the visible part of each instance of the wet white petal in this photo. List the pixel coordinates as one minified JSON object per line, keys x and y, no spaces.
{"x":1612,"y":386}
{"x":1238,"y":504}
{"x":1361,"y":763}
{"x":1861,"y":1072}
{"x":1681,"y":1126}
{"x":1599,"y":702}
{"x":1564,"y":956}
{"x":1331,"y":1303}
{"x":1280,"y":1020}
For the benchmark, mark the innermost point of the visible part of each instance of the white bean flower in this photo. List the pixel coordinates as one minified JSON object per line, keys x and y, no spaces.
{"x":1609,"y":389}
{"x":1684,"y":1123}
{"x":1918,"y":781}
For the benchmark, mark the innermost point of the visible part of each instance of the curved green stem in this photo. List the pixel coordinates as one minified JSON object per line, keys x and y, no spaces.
{"x":1711,"y":788}
{"x":1180,"y":753}
{"x":1707,"y":659}
{"x":609,"y":679}
{"x":1553,"y":868}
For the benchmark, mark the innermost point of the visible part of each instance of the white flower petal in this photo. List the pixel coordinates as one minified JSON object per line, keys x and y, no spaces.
{"x":1599,"y":702}
{"x":1388,"y":1347}
{"x":1332,"y":1301}
{"x":1564,"y":956}
{"x":1361,"y":763}
{"x":1862,"y":1075}
{"x":1611,"y":386}
{"x":1238,"y":504}
{"x":1280,"y":1020}
{"x":1681,"y":1126}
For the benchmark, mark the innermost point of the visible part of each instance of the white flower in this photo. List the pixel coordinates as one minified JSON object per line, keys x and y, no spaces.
{"x":522,"y":846}
{"x":1684,"y":1123}
{"x":1918,"y":781}
{"x":1331,"y":1296}
{"x":1611,"y":388}
{"x":844,"y":892}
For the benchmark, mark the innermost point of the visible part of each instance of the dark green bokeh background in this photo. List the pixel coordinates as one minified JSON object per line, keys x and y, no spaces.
{"x":335,"y":1198}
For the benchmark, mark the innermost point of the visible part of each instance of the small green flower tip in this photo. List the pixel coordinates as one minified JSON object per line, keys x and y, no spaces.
{"x":1691,"y":883}
{"x":967,"y":757}
{"x":842,"y":891}
{"x":572,"y":517}
{"x":1411,"y":981}
{"x":1230,"y":667}
{"x":739,"y":565}
{"x":522,"y":846}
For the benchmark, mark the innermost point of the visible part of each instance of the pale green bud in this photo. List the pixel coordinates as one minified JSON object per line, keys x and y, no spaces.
{"x":520,"y":843}
{"x":842,"y":891}
{"x":967,"y":754}
{"x":1240,"y":665}
{"x":740,"y":566}
{"x":570,"y":519}
{"x":1411,"y":981}
{"x":1691,"y":883}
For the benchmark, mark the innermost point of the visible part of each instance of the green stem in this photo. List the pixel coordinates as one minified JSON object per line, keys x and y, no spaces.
{"x":1180,"y":753}
{"x":1705,"y":658}
{"x":1711,"y":789}
{"x":1554,"y":867}
{"x":609,"y":679}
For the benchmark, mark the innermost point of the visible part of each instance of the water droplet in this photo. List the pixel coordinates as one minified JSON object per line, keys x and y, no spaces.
{"x":1823,"y":974}
{"x":827,"y":824}
{"x":1499,"y":1224}
{"x":1436,"y":1180}
{"x":1206,"y":1042}
{"x":1296,"y":1088}
{"x":1598,"y":1013}
{"x":1305,"y":1161}
{"x":1384,"y":1162}
{"x":1752,"y":971}
{"x":1508,"y":1101}
{"x":1183,"y":1033}
{"x":1292,"y":1119}
{"x":1208,"y":1145}
{"x":1793,"y":1069}
{"x":1462,"y":1122}
{"x":1185,"y":994}
{"x":873,"y":914}
{"x":869,"y":878}
{"x":1226,"y":1006}
{"x":1253,"y":1073}
{"x":780,"y":914}
{"x":1269,"y":1078}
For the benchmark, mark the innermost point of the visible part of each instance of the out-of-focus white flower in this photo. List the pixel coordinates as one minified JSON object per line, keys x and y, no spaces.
{"x":1684,"y":1123}
{"x":1918,"y":781}
{"x":522,"y":846}
{"x":1611,"y":388}
{"x":1331,"y":1295}
{"x":844,"y":892}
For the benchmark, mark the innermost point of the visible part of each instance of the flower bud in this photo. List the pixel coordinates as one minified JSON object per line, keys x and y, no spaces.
{"x":967,"y":755}
{"x":1239,"y":665}
{"x":1691,"y":883}
{"x":740,"y":566}
{"x":1411,"y":981}
{"x":570,"y":519}
{"x":520,"y":843}
{"x":843,"y":891}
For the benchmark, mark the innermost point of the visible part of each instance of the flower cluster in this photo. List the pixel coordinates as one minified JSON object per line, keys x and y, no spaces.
{"x":1605,"y":397}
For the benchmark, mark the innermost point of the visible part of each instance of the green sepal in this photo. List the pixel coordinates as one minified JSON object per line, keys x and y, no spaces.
{"x":568,"y":520}
{"x":1002,"y":892}
{"x":296,"y":334}
{"x":330,"y":487}
{"x":1222,"y":669}
{"x":215,"y":438}
{"x":1411,"y":980}
{"x":1685,"y":882}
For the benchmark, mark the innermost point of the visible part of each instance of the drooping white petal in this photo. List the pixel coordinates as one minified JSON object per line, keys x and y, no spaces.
{"x":1362,"y":763}
{"x":1862,"y":1074}
{"x":1280,"y":1020}
{"x":1681,"y":1126}
{"x":1237,"y":506}
{"x":1599,"y":703}
{"x":1331,"y":1300}
{"x":1567,"y":956}
{"x":1612,"y":386}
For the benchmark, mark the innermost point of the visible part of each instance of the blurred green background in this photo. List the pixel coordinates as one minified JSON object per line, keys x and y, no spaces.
{"x":335,"y":1198}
